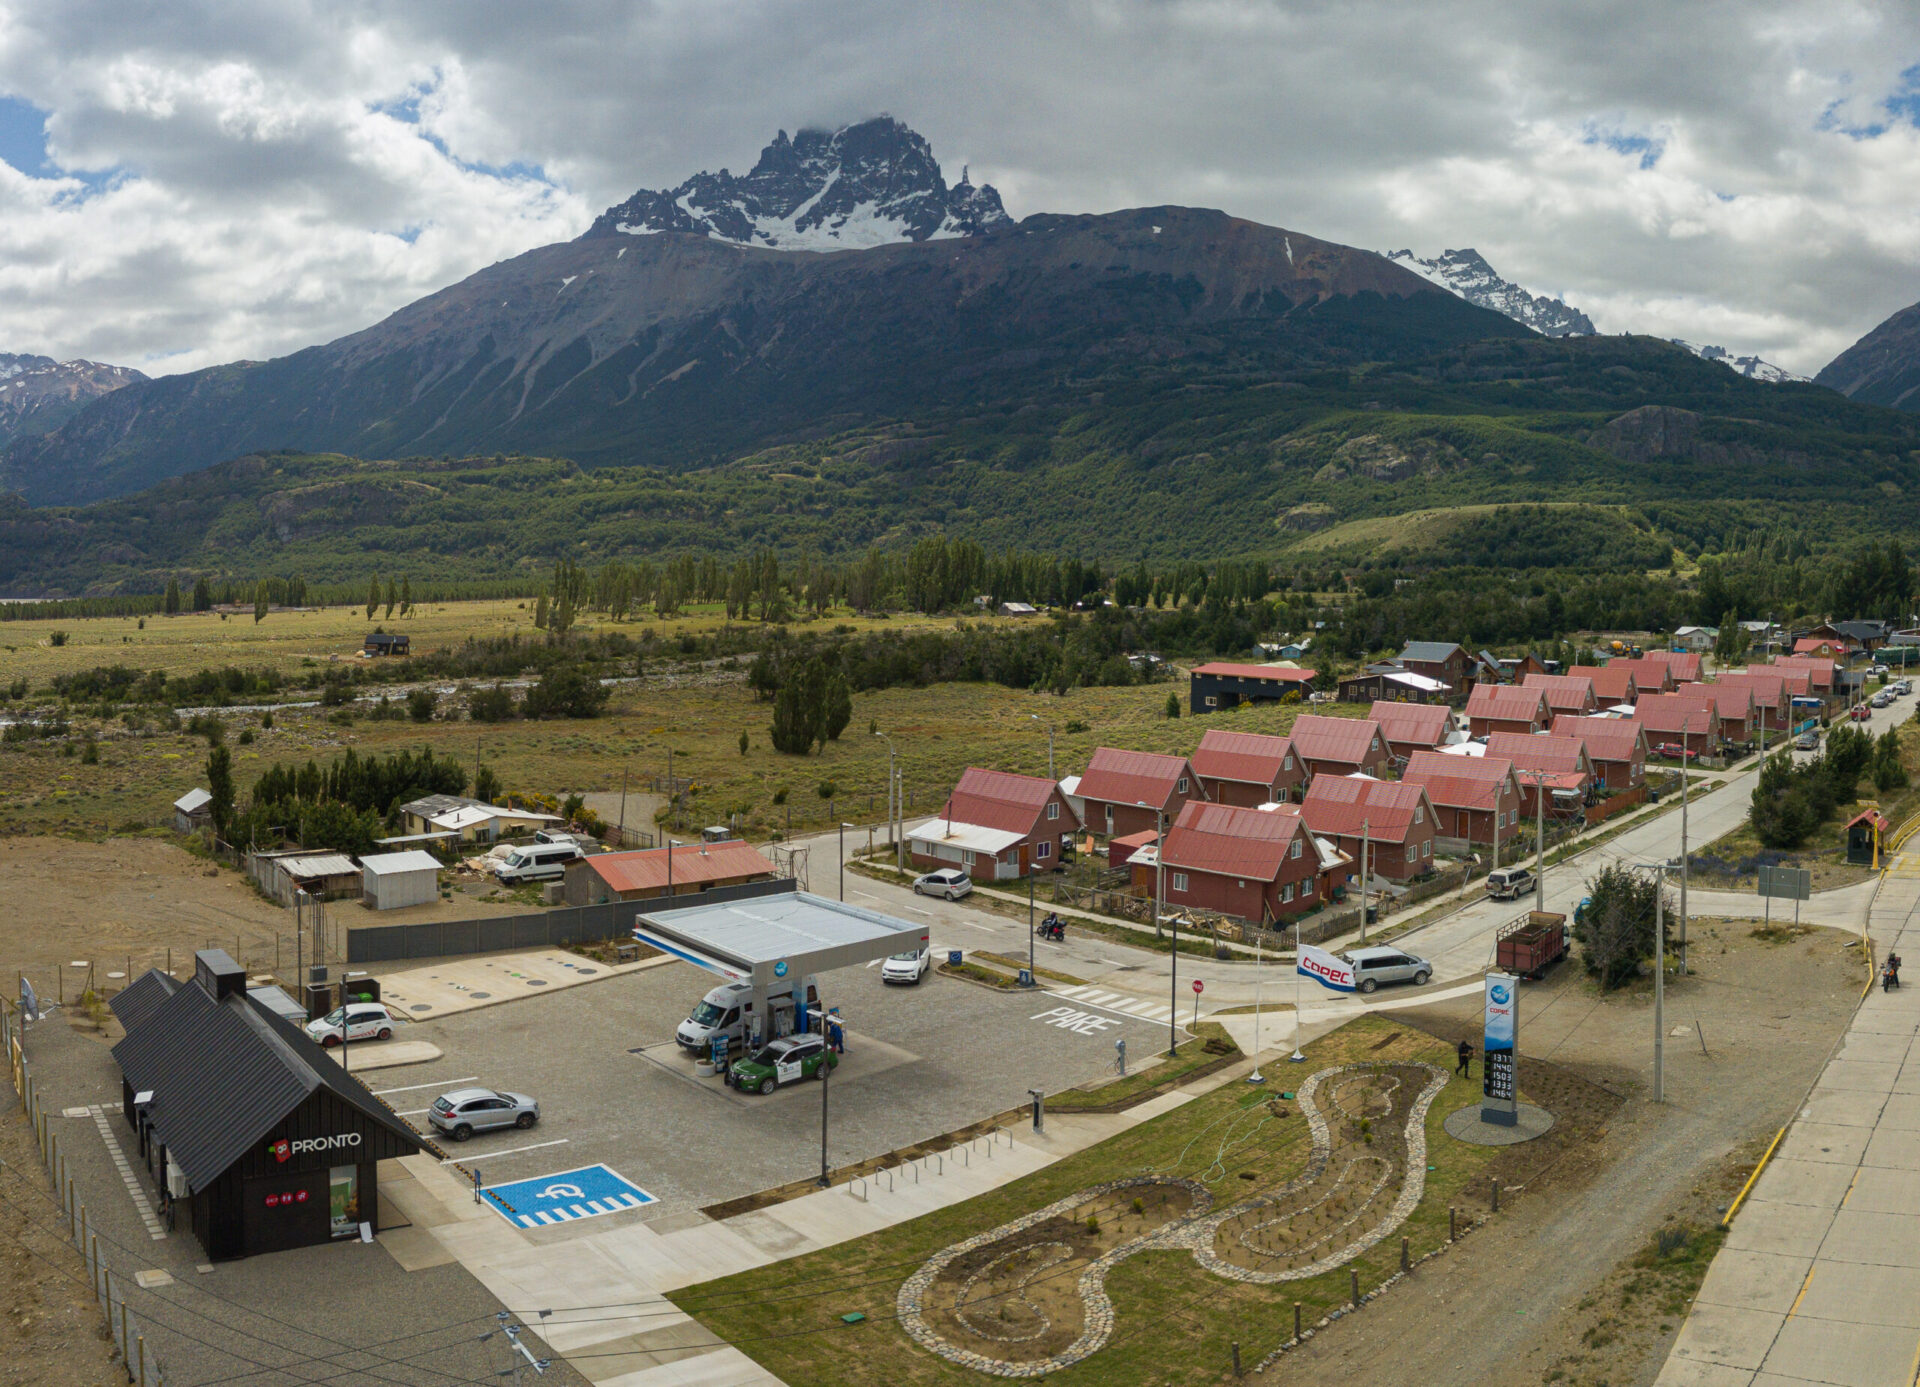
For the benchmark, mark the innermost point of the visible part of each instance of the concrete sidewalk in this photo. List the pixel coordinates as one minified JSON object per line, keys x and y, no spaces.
{"x":1819,"y":1281}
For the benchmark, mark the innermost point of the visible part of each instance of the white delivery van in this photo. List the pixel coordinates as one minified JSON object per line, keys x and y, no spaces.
{"x":728,"y":1011}
{"x":537,"y":862}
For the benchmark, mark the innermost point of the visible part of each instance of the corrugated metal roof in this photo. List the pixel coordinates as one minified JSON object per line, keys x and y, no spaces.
{"x":1611,"y":683}
{"x":1344,"y":741}
{"x":1652,"y":676}
{"x":790,"y":926}
{"x":1568,"y":693}
{"x":1731,"y":700}
{"x":224,"y":1073}
{"x":1231,"y":841}
{"x":392,"y":863}
{"x":1685,"y":664}
{"x":999,"y":800}
{"x":1248,"y":758}
{"x":329,"y":864}
{"x":1428,"y":652}
{"x":647,"y":870}
{"x":1676,"y":711}
{"x":958,"y":833}
{"x":1285,"y":674}
{"x":1344,"y":806}
{"x":1534,"y":751}
{"x":1114,"y":776}
{"x":1769,"y":687}
{"x":192,"y":800}
{"x":1460,"y":782}
{"x":140,"y":998}
{"x":1506,"y":703}
{"x":1411,"y":724}
{"x":1606,"y":739}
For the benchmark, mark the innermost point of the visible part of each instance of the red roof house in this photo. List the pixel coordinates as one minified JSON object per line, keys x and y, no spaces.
{"x":1668,"y":719}
{"x":1126,"y":791}
{"x":1392,"y":821}
{"x":1651,"y":675}
{"x":1772,"y":694}
{"x":1506,"y":708}
{"x":1685,"y":664}
{"x":1566,"y":693}
{"x":1339,"y":746}
{"x":1476,"y":797}
{"x":996,"y":825}
{"x":1616,"y":747}
{"x":1246,"y":768}
{"x":1613,"y":684}
{"x":1561,"y":762}
{"x":681,"y":871}
{"x":1411,"y":727}
{"x":1256,"y":864}
{"x":1739,"y":719}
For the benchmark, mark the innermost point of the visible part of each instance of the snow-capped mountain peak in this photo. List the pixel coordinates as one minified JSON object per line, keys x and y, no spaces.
{"x":870,"y":184}
{"x":1467,"y":274}
{"x":1751,"y":367}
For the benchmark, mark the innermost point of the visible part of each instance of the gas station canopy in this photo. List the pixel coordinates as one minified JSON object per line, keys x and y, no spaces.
{"x":769,"y":940}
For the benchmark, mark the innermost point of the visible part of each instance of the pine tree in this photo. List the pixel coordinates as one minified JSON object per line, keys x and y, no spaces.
{"x":393,"y":596}
{"x":837,"y":709}
{"x":261,"y":601}
{"x":173,"y":596}
{"x":540,"y":611}
{"x":406,"y":596}
{"x":202,"y":595}
{"x":220,"y":788}
{"x":373,"y":596}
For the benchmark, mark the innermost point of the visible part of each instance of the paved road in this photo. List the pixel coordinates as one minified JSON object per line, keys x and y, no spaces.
{"x":1460,"y":945}
{"x":1819,"y":1281}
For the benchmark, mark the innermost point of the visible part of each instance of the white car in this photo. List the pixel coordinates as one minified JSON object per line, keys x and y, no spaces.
{"x":362,"y":1021}
{"x":909,"y":967}
{"x":950,"y":882}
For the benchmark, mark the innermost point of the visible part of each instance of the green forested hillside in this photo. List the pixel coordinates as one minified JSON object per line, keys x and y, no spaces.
{"x":1596,"y":453}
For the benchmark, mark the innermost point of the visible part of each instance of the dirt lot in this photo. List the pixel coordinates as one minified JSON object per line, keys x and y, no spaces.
{"x":1569,"y":1284}
{"x":53,"y":1333}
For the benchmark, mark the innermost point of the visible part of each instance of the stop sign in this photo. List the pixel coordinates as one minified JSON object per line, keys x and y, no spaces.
{"x":1199,"y":986}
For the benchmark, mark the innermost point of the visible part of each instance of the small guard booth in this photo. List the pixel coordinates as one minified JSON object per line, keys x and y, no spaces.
{"x":776,"y":939}
{"x":266,"y":1139}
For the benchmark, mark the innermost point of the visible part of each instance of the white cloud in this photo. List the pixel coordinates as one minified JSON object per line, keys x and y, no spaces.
{"x":280,"y":172}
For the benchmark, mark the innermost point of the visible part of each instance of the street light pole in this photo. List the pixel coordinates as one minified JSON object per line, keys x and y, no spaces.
{"x":892,"y":791}
{"x":1660,"y":986}
{"x":1686,"y":723}
{"x":843,"y":860}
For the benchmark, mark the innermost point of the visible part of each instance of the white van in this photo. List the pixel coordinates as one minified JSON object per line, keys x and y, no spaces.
{"x":728,"y":1011}
{"x":537,"y":862}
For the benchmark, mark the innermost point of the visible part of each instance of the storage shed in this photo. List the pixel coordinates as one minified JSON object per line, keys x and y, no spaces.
{"x":326,"y":876}
{"x":193,"y":811}
{"x":390,"y":880}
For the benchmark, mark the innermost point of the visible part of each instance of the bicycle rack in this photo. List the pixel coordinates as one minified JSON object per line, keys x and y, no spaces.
{"x":965,"y":1153}
{"x":914,"y":1166}
{"x":936,"y":1156}
{"x":859,"y":1180}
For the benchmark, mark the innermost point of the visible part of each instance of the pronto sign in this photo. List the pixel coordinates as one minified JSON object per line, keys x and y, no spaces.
{"x":284,"y":1150}
{"x":1329,"y":970}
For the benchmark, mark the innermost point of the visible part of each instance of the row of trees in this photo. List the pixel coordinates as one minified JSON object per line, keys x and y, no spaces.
{"x":1790,"y":802}
{"x":344,"y":806}
{"x":812,"y":707}
{"x":205,"y":596}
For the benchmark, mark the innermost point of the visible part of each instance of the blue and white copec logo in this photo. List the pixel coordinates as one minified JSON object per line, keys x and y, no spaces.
{"x":780,"y":969}
{"x":1499,"y":994}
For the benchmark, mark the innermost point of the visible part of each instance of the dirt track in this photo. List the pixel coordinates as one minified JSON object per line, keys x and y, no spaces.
{"x":1534,"y":1293}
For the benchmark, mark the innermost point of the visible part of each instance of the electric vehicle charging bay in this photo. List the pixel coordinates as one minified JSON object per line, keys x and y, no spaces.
{"x":775,"y":947}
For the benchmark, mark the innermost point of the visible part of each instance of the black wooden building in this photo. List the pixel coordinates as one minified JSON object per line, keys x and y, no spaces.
{"x":242,"y":1117}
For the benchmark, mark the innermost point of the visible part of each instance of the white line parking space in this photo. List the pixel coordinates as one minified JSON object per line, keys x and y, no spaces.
{"x":413,"y":1088}
{"x":510,"y":1151}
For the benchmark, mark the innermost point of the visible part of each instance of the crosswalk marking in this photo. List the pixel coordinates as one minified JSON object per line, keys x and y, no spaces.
{"x":1117,"y":1001}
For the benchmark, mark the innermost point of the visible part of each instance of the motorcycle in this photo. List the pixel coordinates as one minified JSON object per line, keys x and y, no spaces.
{"x":1052,"y":928}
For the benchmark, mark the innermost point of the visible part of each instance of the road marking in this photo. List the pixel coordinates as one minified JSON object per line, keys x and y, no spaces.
{"x":415,"y":1088}
{"x":415,"y":1112}
{"x":866,"y":895}
{"x":1075,"y":1020}
{"x":514,"y":1151}
{"x":1097,"y":1006}
{"x":988,"y":929}
{"x":918,"y":911}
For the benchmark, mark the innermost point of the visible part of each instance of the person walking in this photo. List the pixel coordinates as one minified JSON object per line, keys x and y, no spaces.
{"x":1465,"y":1066}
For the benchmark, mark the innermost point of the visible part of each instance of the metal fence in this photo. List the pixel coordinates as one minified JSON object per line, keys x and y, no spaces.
{"x":545,"y":929}
{"x":141,"y":1362}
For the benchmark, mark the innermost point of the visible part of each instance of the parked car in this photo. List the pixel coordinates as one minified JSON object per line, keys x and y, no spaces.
{"x":358,"y":1021}
{"x":782,"y":1061}
{"x":1860,"y":712}
{"x":1903,"y":688}
{"x":465,"y":1111}
{"x":1881,"y":699}
{"x":727,"y":1012}
{"x":1807,"y":741}
{"x":950,"y":882}
{"x":908,"y":967}
{"x":1673,"y":751}
{"x":1373,"y":966}
{"x":538,"y":862}
{"x":1510,"y":883}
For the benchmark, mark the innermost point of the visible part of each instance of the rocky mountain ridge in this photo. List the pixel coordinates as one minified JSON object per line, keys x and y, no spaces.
{"x":38,"y":394}
{"x":870,"y":184}
{"x":1467,"y":273}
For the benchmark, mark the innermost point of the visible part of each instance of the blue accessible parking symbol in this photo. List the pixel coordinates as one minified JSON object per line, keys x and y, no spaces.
{"x":588,"y":1192}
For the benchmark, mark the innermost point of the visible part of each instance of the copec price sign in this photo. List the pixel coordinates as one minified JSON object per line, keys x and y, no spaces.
{"x":1500,"y":1038}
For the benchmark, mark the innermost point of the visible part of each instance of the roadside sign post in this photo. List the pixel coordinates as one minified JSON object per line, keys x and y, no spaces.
{"x":1786,"y":883}
{"x":1499,"y":1091}
{"x":1198,"y":988}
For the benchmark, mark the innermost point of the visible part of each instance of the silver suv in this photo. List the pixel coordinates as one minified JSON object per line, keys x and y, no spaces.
{"x":465,"y":1111}
{"x":950,"y":882}
{"x":1373,"y":966}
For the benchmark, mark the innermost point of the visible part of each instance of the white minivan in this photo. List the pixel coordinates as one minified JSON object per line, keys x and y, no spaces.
{"x":728,"y":1011}
{"x":537,"y":862}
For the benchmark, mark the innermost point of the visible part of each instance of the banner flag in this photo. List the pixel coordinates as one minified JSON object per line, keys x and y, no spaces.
{"x":1329,"y":970}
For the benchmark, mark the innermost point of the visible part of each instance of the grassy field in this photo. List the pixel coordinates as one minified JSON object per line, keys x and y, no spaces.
{"x":938,"y":731}
{"x":1174,"y":1323}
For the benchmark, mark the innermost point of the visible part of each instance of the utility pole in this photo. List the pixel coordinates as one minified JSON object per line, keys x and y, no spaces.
{"x":1660,"y":986}
{"x":1540,"y":839}
{"x":1686,"y":722}
{"x":621,"y":832}
{"x":1366,"y":841}
{"x":891,"y":789}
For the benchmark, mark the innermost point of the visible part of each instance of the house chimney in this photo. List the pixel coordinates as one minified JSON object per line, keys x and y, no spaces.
{"x":215,"y":970}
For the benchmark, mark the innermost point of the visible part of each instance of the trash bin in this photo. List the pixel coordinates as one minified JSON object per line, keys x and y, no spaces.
{"x":953,"y":957}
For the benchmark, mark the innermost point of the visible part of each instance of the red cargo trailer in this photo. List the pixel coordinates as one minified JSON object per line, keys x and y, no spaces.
{"x":1531,"y":944}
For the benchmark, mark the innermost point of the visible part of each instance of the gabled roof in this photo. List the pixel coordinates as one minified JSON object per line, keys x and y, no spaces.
{"x":390,"y":863}
{"x":1611,"y":683}
{"x":1730,"y":700}
{"x":1114,"y":776}
{"x":1344,"y":741}
{"x":1770,"y":687}
{"x":1798,"y":678}
{"x":1565,"y":692}
{"x":1460,"y":782}
{"x":1863,"y":630}
{"x":1411,"y":724}
{"x":1651,"y":675}
{"x":999,"y":800}
{"x":1533,"y":751}
{"x":140,"y":998}
{"x":1285,"y":674}
{"x":1820,"y":670}
{"x":1344,"y":806}
{"x":1676,"y":712}
{"x":225,"y":1073}
{"x":1813,"y":645}
{"x":1247,"y":758}
{"x":1428,"y":652}
{"x":1685,"y":664}
{"x":647,"y":869}
{"x":1507,"y":703}
{"x":1606,"y":739}
{"x":1230,"y":841}
{"x":193,"y":800}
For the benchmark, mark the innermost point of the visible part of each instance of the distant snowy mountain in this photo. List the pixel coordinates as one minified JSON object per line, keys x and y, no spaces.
{"x":38,"y":394}
{"x":1467,"y":274}
{"x":1752,"y":367}
{"x":871,"y":184}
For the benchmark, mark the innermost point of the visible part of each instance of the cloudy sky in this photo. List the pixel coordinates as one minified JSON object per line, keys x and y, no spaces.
{"x":204,"y":180}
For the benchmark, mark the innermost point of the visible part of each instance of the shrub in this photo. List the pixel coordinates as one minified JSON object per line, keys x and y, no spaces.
{"x":491,"y":705}
{"x":1615,"y":927}
{"x":420,"y":705}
